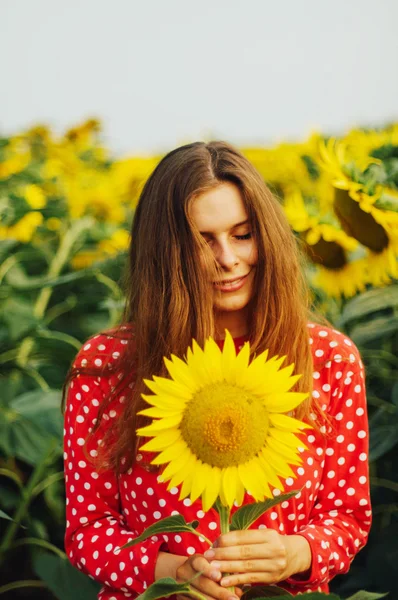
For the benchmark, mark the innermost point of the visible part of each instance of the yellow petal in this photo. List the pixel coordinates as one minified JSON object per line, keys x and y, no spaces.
{"x":186,"y":484}
{"x":285,"y":452}
{"x":202,"y":475}
{"x":228,"y":358}
{"x":212,"y":489}
{"x":161,"y":441}
{"x":162,"y":424}
{"x":288,"y":423}
{"x":284,"y":402}
{"x":286,"y":438}
{"x":269,"y":470}
{"x":180,"y":372}
{"x":171,"y":453}
{"x":164,"y":401}
{"x":197,"y":364}
{"x":213,"y":354}
{"x":278,"y":463}
{"x":176,"y":465}
{"x":184,"y":472}
{"x":161,"y":385}
{"x":250,"y":475}
{"x":241,"y":364}
{"x":229,"y":484}
{"x":254,"y":372}
{"x":158,"y":413}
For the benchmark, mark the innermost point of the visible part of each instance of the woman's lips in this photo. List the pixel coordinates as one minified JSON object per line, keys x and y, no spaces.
{"x":231,"y":285}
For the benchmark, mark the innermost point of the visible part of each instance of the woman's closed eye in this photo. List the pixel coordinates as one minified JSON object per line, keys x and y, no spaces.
{"x":245,"y":236}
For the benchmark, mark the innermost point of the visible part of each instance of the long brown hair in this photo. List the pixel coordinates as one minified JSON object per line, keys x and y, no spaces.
{"x":168,"y":294}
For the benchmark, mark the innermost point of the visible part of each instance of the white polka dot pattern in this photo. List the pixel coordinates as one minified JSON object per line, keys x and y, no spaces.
{"x":332,"y":511}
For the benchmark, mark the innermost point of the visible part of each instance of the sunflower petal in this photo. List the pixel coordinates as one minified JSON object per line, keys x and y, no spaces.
{"x":162,"y":424}
{"x":161,"y":385}
{"x":228,"y":358}
{"x":287,"y":438}
{"x":161,"y":441}
{"x":229,"y":484}
{"x":284,"y":402}
{"x":180,"y":372}
{"x":213,"y":354}
{"x":164,"y":401}
{"x":284,"y":451}
{"x":269,"y":470}
{"x":184,"y":472}
{"x":241,"y":363}
{"x":176,"y":465}
{"x":250,"y":474}
{"x":202,"y":474}
{"x":288,"y":423}
{"x":278,"y":462}
{"x":212,"y":489}
{"x":170,"y":453}
{"x":158,"y":413}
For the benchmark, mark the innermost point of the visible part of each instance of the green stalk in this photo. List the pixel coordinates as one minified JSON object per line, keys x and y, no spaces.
{"x":60,"y":259}
{"x":41,"y":543}
{"x":22,"y":584}
{"x":27,"y":494}
{"x":224,"y":512}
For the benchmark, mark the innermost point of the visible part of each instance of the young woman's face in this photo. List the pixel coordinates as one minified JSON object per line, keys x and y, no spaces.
{"x":221,"y":218}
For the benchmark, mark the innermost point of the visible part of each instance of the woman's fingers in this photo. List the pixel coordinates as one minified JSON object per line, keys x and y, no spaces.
{"x":207,"y":581}
{"x":243,"y":578}
{"x":244,"y":552}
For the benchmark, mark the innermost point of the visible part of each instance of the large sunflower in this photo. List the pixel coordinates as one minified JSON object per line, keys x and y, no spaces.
{"x":218,"y":423}
{"x":328,"y":247}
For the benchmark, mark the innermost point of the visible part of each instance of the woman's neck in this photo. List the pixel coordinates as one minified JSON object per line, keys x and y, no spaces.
{"x":234,"y":321}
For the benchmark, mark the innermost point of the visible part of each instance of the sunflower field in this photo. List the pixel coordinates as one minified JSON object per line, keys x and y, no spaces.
{"x":66,"y":207}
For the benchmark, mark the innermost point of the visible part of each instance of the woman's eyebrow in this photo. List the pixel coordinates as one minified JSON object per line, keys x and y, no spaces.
{"x":233,"y":227}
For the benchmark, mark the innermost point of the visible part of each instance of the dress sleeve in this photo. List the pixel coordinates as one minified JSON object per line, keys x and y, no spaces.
{"x":341,"y":516}
{"x":95,"y":526}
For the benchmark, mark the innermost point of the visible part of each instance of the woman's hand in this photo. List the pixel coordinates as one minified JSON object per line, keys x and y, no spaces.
{"x":208,"y":582}
{"x":259,"y":556}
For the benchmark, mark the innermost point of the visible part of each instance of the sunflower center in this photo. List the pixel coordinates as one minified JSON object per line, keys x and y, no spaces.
{"x":359,"y":224}
{"x":224,"y":425}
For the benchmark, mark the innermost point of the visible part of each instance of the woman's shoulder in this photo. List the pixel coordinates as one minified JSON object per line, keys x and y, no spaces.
{"x":105,"y":350}
{"x":329,"y":344}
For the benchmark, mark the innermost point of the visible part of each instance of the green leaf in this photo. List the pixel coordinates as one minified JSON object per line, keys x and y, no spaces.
{"x":3,"y":515}
{"x":18,"y":314}
{"x":375,"y":329}
{"x":5,"y":247}
{"x":163,"y":588}
{"x":311,"y":596}
{"x":17,"y":279}
{"x":66,"y":582}
{"x":29,"y":423}
{"x":246,"y":515}
{"x":383,"y":432}
{"x":369,"y":302}
{"x":174,"y":524}
{"x":362,"y":595}
{"x":267,"y":591}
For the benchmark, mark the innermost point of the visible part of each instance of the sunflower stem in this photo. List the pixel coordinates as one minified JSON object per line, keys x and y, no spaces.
{"x":200,"y":535}
{"x":224,"y":512}
{"x":195,"y":594}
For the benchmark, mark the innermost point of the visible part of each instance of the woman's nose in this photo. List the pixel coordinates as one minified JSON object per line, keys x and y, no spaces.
{"x":225,"y":255}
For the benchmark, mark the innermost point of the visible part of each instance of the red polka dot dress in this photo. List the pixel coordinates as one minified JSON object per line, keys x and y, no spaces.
{"x":104,"y":512}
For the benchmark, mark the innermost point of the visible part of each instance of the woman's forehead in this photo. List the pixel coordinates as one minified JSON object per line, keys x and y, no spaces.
{"x":219,"y":209}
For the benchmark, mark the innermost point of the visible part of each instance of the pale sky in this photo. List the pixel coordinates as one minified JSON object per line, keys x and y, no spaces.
{"x":163,"y":72}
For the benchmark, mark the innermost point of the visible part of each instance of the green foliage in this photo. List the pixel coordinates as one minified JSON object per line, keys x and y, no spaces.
{"x":246,"y":515}
{"x":163,"y":588}
{"x":174,"y":524}
{"x":48,"y":308}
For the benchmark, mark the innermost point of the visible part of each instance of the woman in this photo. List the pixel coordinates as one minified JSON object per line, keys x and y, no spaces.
{"x":211,"y":250}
